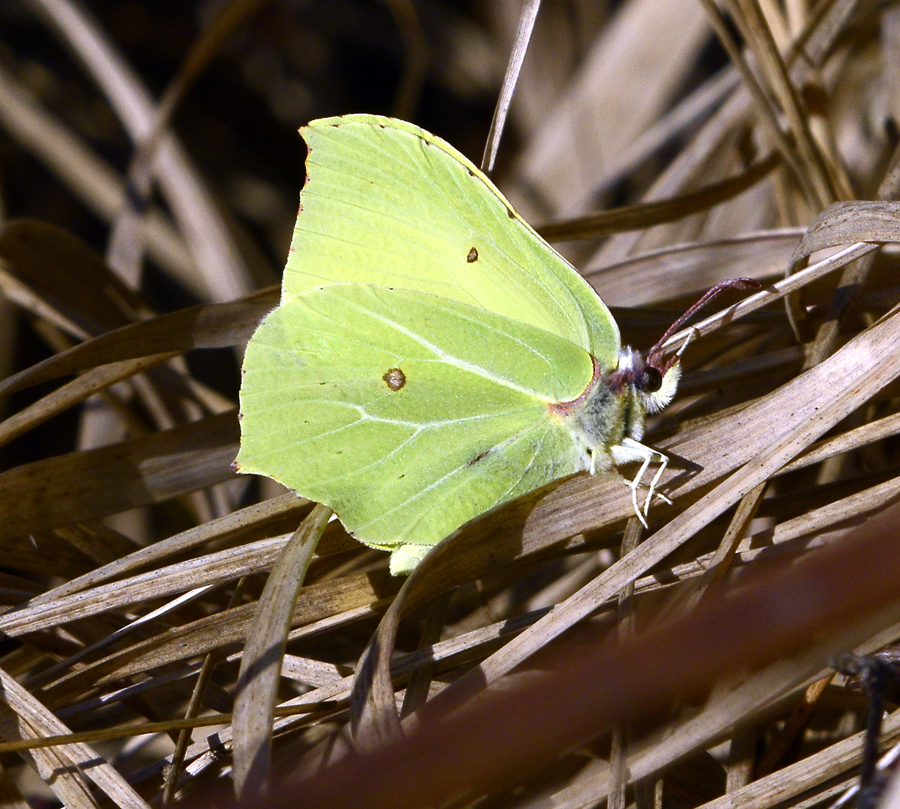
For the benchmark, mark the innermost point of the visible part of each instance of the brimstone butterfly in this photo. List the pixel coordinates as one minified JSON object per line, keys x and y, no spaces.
{"x":432,"y":356}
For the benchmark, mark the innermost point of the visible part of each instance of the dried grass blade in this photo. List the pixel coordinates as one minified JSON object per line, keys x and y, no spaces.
{"x":254,"y":707}
{"x":861,"y":222}
{"x":22,"y":295}
{"x":758,"y":34}
{"x":793,"y":780}
{"x":127,"y":242}
{"x":721,"y":560}
{"x":209,"y":326}
{"x":830,"y":517}
{"x":278,"y":509}
{"x":510,"y":79}
{"x":69,"y":276}
{"x":678,"y":122}
{"x":846,"y":442}
{"x":319,"y":607}
{"x":69,"y":763}
{"x":459,"y":650}
{"x":85,"y":486}
{"x":579,"y":688}
{"x":119,"y":635}
{"x":698,"y":266}
{"x":202,"y":756}
{"x":761,"y":93}
{"x":646,"y":214}
{"x":208,"y":237}
{"x":590,"y":124}
{"x":180,"y":577}
{"x":842,"y":223}
{"x":90,"y":178}
{"x":758,"y":693}
{"x":89,"y":383}
{"x":420,"y":683}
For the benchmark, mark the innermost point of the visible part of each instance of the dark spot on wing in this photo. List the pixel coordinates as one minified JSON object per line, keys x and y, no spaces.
{"x":510,"y":213}
{"x":394,"y":379}
{"x":473,"y":255}
{"x":480,"y":457}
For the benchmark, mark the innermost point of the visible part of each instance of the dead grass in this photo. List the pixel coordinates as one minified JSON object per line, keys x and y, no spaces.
{"x":551,"y":653}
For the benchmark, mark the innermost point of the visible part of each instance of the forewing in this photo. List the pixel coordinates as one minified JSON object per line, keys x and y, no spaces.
{"x":389,"y":204}
{"x":407,"y":414}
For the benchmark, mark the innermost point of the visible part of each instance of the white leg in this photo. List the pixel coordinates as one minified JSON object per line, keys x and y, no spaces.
{"x":663,"y":463}
{"x":631,"y":450}
{"x":634,"y":487}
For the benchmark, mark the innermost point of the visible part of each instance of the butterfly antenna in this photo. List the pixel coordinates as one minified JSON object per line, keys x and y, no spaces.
{"x":731,"y":283}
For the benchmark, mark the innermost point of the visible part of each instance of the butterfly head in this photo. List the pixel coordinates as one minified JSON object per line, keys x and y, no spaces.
{"x":652,"y":379}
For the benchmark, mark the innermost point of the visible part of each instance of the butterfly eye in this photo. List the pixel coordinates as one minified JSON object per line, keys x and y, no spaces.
{"x":652,"y":380}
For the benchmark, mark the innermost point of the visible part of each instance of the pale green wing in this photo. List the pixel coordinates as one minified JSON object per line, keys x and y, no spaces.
{"x":388,"y":204}
{"x":406,"y":413}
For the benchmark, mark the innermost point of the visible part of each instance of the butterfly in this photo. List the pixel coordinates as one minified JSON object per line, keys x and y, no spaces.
{"x":432,"y":356}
